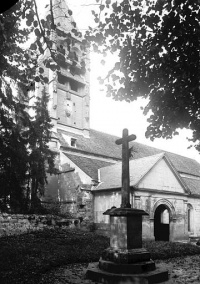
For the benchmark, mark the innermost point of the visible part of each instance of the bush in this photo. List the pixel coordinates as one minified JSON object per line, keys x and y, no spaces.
{"x":92,"y":227}
{"x":24,"y":258}
{"x":28,"y":256}
{"x":198,"y":243}
{"x":165,"y":250}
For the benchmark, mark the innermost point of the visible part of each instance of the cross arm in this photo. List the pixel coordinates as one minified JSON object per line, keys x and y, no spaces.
{"x":128,"y":138}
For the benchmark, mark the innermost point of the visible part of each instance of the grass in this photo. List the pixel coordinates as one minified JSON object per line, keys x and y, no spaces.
{"x":24,"y":258}
{"x":166,"y":250}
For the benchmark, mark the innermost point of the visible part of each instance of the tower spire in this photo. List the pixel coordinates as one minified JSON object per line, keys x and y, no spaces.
{"x":69,"y":88}
{"x":63,"y":18}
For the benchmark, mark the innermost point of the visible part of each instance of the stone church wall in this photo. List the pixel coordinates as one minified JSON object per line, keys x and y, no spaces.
{"x":176,"y":207}
{"x":102,"y":202}
{"x":16,"y":224}
{"x":176,"y":204}
{"x":194,"y":205}
{"x":81,"y":207}
{"x":69,"y":193}
{"x":160,"y":193}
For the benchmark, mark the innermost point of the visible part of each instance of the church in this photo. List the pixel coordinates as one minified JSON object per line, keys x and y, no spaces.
{"x":165,"y":185}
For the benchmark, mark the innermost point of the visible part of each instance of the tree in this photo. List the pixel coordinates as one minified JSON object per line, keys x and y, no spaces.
{"x":158,"y":45}
{"x":41,"y":158}
{"x":23,"y":139}
{"x":7,"y":5}
{"x":25,"y":157}
{"x":13,"y":153}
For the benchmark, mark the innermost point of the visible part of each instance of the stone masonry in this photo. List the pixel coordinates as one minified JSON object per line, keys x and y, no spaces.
{"x":15,"y":224}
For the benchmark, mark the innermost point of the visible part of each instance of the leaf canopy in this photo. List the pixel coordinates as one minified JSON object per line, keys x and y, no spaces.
{"x":158,"y":45}
{"x":24,"y":151}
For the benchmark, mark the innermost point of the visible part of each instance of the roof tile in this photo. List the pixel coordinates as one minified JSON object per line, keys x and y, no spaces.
{"x":193,"y":184}
{"x":103,"y":144}
{"x":89,"y":166}
{"x":111,"y":176}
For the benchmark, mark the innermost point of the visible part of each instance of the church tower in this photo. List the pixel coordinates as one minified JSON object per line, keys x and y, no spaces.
{"x":69,"y":87}
{"x":67,"y":70}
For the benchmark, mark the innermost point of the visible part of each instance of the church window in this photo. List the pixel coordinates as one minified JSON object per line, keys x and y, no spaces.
{"x":73,"y":142}
{"x":73,"y":85}
{"x":73,"y":56}
{"x":61,"y":79}
{"x":190,"y":217}
{"x":61,"y":49}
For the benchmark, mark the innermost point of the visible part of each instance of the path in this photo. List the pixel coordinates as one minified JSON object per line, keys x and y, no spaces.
{"x":182,"y":271}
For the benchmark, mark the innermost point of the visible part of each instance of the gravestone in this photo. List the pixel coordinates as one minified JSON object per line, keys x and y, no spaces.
{"x":125,"y":261}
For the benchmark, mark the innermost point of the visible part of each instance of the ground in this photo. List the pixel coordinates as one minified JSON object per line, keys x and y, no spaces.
{"x":60,"y":256}
{"x":181,"y":271}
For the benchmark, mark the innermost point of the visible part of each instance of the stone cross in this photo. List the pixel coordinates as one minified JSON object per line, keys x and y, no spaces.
{"x":125,"y":191}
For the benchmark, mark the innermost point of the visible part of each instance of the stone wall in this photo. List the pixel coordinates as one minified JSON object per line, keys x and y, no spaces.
{"x":15,"y":224}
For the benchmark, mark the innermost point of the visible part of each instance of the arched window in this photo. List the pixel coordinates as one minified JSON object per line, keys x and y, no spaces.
{"x":190,"y":218}
{"x":75,"y":53}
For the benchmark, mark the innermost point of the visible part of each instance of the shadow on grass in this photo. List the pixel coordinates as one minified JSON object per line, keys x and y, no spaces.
{"x":24,"y":258}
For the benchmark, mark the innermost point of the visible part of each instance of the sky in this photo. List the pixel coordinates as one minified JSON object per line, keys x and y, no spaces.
{"x":112,"y":117}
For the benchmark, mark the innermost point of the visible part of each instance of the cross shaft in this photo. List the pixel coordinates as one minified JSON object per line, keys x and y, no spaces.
{"x":125,"y":190}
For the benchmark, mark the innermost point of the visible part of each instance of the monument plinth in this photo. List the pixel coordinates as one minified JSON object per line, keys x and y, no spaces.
{"x":125,"y":261}
{"x":125,"y":227}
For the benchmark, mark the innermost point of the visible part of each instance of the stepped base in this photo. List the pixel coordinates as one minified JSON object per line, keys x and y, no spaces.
{"x":126,"y":256}
{"x":94,"y":273}
{"x":132,"y":268}
{"x":125,"y":261}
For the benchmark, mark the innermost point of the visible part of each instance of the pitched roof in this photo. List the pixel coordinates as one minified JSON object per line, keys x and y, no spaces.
{"x":193,"y":184}
{"x":103,"y":144}
{"x":63,"y":17}
{"x":184,"y":164}
{"x":89,"y":166}
{"x":98,"y":143}
{"x":181,"y":163}
{"x":110,"y":176}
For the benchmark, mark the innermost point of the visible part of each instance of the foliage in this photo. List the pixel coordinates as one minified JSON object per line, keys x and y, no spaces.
{"x":165,"y":250}
{"x":46,"y":40}
{"x":24,"y":258}
{"x":7,"y":5}
{"x":41,"y":158}
{"x":20,"y":135}
{"x":25,"y":156}
{"x":157,"y":43}
{"x":92,"y":227}
{"x":13,"y":155}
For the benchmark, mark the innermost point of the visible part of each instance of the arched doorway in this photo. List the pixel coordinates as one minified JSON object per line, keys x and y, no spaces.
{"x":162,"y":223}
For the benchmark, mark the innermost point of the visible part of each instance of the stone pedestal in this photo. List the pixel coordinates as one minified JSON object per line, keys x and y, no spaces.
{"x":125,"y":261}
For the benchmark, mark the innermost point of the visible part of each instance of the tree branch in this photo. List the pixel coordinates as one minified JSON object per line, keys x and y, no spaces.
{"x":41,"y":28}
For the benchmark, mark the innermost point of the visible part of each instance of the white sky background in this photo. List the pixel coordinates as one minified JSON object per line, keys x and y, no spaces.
{"x":112,"y":117}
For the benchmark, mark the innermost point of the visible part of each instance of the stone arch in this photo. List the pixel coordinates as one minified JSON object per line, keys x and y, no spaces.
{"x":168,"y":204}
{"x":162,"y":230}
